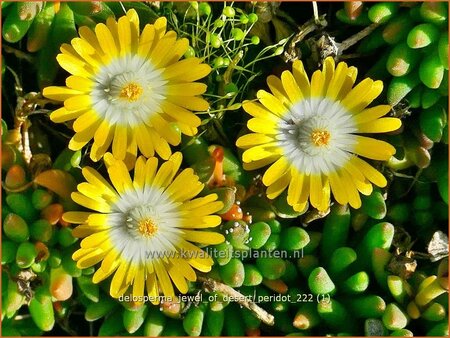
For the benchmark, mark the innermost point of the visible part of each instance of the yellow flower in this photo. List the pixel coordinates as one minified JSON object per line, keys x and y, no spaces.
{"x":129,"y":89}
{"x":141,"y":230}
{"x":308,"y":132}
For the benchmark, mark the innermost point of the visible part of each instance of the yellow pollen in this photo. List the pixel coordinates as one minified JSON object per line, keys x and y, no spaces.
{"x":320,"y":137}
{"x":131,"y":92}
{"x":147,"y":227}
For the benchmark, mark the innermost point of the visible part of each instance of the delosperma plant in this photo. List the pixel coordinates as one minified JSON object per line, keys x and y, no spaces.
{"x":224,"y":168}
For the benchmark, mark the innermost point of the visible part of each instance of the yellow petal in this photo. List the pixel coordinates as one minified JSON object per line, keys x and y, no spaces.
{"x":192,"y":102}
{"x":180,"y":68}
{"x":91,"y":259}
{"x":370,"y":172}
{"x":337,"y":188}
{"x":89,"y":203}
{"x":275,"y":171}
{"x":143,"y":140}
{"x":316,"y":187}
{"x":146,"y":40}
{"x":124,"y":33}
{"x":89,"y":36}
{"x":163,"y":278}
{"x":328,"y":72}
{"x":259,"y":125}
{"x":259,"y":111}
{"x":78,"y":102}
{"x":119,"y":144}
{"x":271,"y":103}
{"x":291,"y":87}
{"x":296,"y":186}
{"x":162,"y":49}
{"x":74,"y":66}
{"x":94,"y":240}
{"x":177,"y":278}
{"x":103,"y":133}
{"x":160,"y":26}
{"x":80,"y":139}
{"x":139,"y":283}
{"x":357,"y":94}
{"x":276,"y":87}
{"x":317,"y":84}
{"x":196,"y":73}
{"x":130,"y":157}
{"x":60,"y":93}
{"x":151,"y":167}
{"x":276,"y":188}
{"x":76,"y":217}
{"x":120,"y":177}
{"x":178,"y":189}
{"x":364,"y":187}
{"x":106,"y":270}
{"x":164,"y":175}
{"x":85,"y":121}
{"x":83,"y":231}
{"x":371,"y":95}
{"x":139,"y":174}
{"x":165,"y":130}
{"x":337,"y":81}
{"x":87,"y":52}
{"x":260,"y":163}
{"x":79,"y":83}
{"x":200,"y":223}
{"x":372,"y":148}
{"x":184,"y":268}
{"x":349,"y":81}
{"x":98,"y":219}
{"x":106,"y":39}
{"x":161,"y":146}
{"x":133,"y":17}
{"x":262,"y":151}
{"x":371,"y":114}
{"x":152,"y":287}
{"x":203,"y":210}
{"x":198,"y":202}
{"x":362,"y":95}
{"x":186,"y":89}
{"x":131,"y":273}
{"x":325,"y":195}
{"x":298,"y":71}
{"x":203,"y":237}
{"x":181,"y":114}
{"x":200,"y":260}
{"x":119,"y":279}
{"x":63,"y":115}
{"x":180,"y":48}
{"x":93,"y":177}
{"x":381,"y":125}
{"x":250,"y":140}
{"x":352,"y":192}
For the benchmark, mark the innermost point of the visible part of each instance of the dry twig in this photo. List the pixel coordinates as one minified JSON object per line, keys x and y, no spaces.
{"x":212,"y":285}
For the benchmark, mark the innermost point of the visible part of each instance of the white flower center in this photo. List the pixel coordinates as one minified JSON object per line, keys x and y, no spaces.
{"x":128,"y":90}
{"x":317,"y":135}
{"x":144,"y":221}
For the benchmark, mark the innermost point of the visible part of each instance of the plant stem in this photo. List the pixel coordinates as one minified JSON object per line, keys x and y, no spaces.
{"x":212,"y":285}
{"x":347,"y":43}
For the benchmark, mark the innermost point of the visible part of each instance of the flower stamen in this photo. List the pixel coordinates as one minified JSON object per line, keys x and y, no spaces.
{"x":147,"y":227}
{"x":320,"y":137}
{"x":131,"y":92}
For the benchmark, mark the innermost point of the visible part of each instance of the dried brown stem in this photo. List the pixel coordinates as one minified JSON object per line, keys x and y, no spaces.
{"x":347,"y":43}
{"x":212,"y":285}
